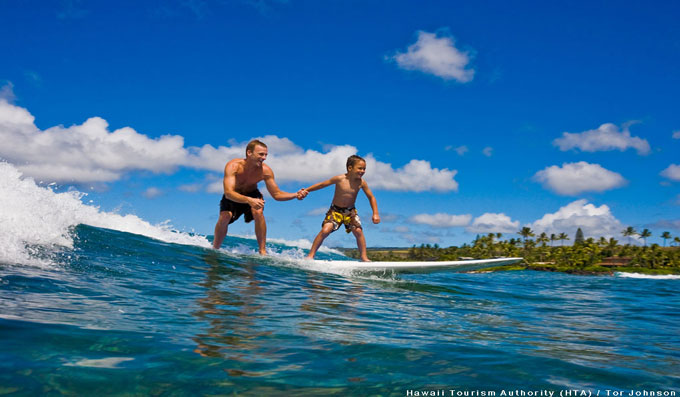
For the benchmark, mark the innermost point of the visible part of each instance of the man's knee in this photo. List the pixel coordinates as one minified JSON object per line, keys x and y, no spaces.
{"x":357,"y":231}
{"x":258,"y":214}
{"x":225,"y":217}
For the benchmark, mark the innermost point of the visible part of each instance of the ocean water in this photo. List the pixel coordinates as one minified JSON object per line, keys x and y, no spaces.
{"x":95,"y":303}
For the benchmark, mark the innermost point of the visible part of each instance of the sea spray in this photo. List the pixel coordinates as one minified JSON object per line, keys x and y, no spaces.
{"x":35,"y":216}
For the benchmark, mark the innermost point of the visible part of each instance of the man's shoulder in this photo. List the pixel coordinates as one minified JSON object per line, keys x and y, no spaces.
{"x":235,"y":164}
{"x":267,"y":170}
{"x":236,"y":161}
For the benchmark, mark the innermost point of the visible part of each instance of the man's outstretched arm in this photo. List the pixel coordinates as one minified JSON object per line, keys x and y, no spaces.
{"x":274,"y":190}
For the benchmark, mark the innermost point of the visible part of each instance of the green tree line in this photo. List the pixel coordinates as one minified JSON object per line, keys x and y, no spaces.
{"x":549,"y":252}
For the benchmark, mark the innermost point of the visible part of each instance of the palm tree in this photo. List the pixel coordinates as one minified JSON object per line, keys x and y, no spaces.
{"x":629,"y":232}
{"x":676,"y":240}
{"x":552,"y":239}
{"x":543,"y":239}
{"x":562,"y":237}
{"x":665,"y":236}
{"x":645,"y":233}
{"x":526,"y":232}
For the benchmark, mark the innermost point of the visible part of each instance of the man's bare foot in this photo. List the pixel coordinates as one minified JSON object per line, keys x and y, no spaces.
{"x":365,"y":260}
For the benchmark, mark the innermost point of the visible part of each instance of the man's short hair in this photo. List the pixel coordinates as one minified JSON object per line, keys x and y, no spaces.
{"x":353,"y":159}
{"x":251,"y":145}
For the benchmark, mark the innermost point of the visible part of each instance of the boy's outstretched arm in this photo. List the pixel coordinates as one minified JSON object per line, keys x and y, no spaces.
{"x":372,"y":201}
{"x":324,"y":184}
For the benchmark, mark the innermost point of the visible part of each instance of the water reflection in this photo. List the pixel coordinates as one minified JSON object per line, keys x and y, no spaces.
{"x":229,"y":308}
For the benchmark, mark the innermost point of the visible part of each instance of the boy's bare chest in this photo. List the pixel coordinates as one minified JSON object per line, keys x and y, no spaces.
{"x":348,"y":186}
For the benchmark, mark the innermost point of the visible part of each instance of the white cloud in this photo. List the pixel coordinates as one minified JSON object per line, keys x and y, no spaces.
{"x":441,"y":220}
{"x":293,"y":164}
{"x":389,"y":217}
{"x":317,"y":211}
{"x":152,"y":192}
{"x":402,"y":229}
{"x":436,"y":55}
{"x":667,"y":223}
{"x":594,"y":221}
{"x":575,"y":178}
{"x":676,"y":134}
{"x":460,"y":150}
{"x":493,"y":223}
{"x":672,"y":172}
{"x":607,"y":137}
{"x":7,"y":92}
{"x":191,"y":187}
{"x":82,"y":153}
{"x":415,"y":176}
{"x":488,"y":151}
{"x":89,"y":152}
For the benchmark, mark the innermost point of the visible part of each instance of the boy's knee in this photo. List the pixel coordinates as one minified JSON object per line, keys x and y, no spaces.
{"x":327,"y":229}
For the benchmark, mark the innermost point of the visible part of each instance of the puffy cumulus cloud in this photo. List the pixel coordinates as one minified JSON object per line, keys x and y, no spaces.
{"x":594,"y":221}
{"x":83,"y":153}
{"x":672,"y":172}
{"x":441,"y":220}
{"x":493,"y":223}
{"x":291,"y":163}
{"x":437,"y":55}
{"x":607,"y":137}
{"x":575,"y":178}
{"x":89,"y":152}
{"x":415,"y":176}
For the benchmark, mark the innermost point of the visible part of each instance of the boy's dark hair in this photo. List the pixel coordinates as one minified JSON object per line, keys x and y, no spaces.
{"x":353,"y":159}
{"x":251,"y":145}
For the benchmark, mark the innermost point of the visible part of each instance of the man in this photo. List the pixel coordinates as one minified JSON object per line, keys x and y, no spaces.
{"x":241,"y":195}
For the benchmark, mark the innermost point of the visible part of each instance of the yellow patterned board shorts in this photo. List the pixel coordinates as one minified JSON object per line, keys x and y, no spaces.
{"x":339,"y":216}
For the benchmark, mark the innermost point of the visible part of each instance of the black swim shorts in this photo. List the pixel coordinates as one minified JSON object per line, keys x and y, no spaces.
{"x":237,"y":209}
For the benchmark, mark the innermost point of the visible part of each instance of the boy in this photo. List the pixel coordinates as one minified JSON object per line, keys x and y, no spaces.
{"x":342,"y":209}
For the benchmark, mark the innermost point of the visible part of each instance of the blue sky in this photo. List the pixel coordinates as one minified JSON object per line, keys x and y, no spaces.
{"x":475,"y":117}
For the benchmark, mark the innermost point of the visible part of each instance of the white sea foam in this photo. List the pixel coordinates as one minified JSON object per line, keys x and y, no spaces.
{"x":32,"y":215}
{"x":649,"y":276}
{"x":300,"y":243}
{"x":109,"y":362}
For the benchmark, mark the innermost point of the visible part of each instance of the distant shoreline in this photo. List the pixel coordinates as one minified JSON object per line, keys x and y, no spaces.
{"x":586,"y":258}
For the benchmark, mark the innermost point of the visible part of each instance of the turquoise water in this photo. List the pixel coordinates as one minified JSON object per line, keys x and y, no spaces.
{"x":123,"y":314}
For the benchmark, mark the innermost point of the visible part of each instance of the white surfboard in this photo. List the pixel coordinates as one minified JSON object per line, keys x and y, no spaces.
{"x":417,"y":267}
